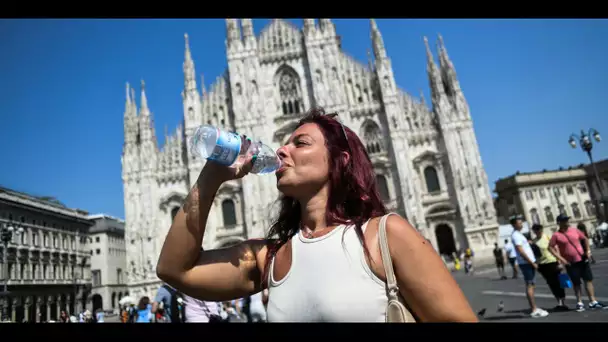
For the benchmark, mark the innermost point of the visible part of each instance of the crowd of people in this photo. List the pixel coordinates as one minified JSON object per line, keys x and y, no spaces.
{"x":171,"y":306}
{"x":85,"y":316}
{"x":562,"y":258}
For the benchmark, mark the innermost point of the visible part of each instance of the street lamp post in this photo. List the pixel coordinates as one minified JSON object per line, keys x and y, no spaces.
{"x":587,"y":145}
{"x":7,"y":236}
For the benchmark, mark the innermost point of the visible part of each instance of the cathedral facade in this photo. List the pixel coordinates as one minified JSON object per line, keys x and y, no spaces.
{"x":427,"y":159}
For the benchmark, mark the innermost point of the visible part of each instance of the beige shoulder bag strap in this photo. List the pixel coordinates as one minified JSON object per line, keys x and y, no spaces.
{"x":396,"y":312}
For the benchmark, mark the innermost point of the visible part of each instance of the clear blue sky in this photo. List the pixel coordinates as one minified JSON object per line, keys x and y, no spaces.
{"x":529,"y":83}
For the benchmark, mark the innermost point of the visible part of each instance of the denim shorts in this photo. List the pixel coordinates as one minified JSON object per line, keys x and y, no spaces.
{"x":528,"y":272}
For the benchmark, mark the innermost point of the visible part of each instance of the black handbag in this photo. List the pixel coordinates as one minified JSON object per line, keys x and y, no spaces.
{"x":536,"y":250}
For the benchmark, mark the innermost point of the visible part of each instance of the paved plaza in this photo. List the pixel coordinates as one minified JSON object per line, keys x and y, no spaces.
{"x":485,"y":291}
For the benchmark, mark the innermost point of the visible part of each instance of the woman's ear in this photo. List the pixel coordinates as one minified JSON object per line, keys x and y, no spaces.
{"x":345,"y":157}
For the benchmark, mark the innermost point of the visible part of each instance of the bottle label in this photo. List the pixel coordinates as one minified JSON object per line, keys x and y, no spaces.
{"x":227,"y":148}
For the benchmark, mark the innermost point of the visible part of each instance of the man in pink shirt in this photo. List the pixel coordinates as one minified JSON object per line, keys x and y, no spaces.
{"x":571,"y":247}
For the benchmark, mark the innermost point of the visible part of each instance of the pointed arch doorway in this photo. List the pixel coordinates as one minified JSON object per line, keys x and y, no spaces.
{"x":445,"y":239}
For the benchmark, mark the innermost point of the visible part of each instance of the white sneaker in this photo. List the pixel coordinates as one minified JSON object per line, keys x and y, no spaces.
{"x":539,"y":313}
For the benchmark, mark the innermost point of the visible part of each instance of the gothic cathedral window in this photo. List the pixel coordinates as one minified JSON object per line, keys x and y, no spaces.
{"x":432,"y":181}
{"x":372,"y":137}
{"x":229,"y":213}
{"x":289,"y":91}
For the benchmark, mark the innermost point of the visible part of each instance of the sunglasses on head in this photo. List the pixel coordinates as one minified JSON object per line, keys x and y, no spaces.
{"x":337,"y":118}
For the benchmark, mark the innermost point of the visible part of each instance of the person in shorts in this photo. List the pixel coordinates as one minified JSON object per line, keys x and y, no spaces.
{"x":499,"y":257}
{"x":566,"y":245}
{"x":527,"y":264}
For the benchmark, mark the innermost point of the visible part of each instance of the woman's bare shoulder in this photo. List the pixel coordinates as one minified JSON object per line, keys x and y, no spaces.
{"x":394,"y":221}
{"x":402,"y":235}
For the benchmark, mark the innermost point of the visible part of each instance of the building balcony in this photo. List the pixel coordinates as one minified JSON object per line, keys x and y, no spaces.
{"x":229,"y":231}
{"x":18,"y":282}
{"x":435,"y":197}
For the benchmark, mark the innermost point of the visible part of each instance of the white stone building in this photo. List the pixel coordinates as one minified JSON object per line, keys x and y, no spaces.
{"x":48,"y":264}
{"x":427,"y":159}
{"x":108,"y":261}
{"x":541,"y":196}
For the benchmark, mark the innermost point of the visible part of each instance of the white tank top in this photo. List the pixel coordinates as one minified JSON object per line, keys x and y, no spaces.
{"x":329,"y":281}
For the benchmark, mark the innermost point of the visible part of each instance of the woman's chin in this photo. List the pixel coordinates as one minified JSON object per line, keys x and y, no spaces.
{"x":285,"y":187}
{"x":282,"y":186}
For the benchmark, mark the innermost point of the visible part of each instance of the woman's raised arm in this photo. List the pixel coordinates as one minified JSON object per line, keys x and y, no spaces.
{"x":214,"y":275}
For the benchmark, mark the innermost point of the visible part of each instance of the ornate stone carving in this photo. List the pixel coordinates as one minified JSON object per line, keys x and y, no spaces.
{"x":475,"y":239}
{"x":491,"y":236}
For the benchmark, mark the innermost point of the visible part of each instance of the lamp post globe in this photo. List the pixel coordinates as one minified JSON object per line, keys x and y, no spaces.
{"x":587,"y":146}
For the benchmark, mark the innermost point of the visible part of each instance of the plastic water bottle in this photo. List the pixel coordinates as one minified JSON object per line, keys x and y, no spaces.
{"x":227,"y":148}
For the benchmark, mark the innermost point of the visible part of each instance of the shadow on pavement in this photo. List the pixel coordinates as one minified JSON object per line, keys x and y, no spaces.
{"x":498,"y":318}
{"x":518,"y":311}
{"x":526,"y":311}
{"x":516,"y":314}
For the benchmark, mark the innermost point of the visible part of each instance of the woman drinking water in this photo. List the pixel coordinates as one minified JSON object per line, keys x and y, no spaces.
{"x":321,"y":260}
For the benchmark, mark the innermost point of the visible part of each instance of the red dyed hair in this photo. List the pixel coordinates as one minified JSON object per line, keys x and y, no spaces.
{"x":353,"y":194}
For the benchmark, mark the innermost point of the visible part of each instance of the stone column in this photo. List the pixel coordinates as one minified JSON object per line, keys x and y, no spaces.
{"x":14,"y":309}
{"x":38,"y":303}
{"x":57,"y":306}
{"x":17,"y":268}
{"x":26,"y":308}
{"x":49,"y":301}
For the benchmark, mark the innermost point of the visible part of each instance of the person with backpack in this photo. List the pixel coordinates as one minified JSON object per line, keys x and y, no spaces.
{"x":548,"y":266}
{"x":168,"y":296}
